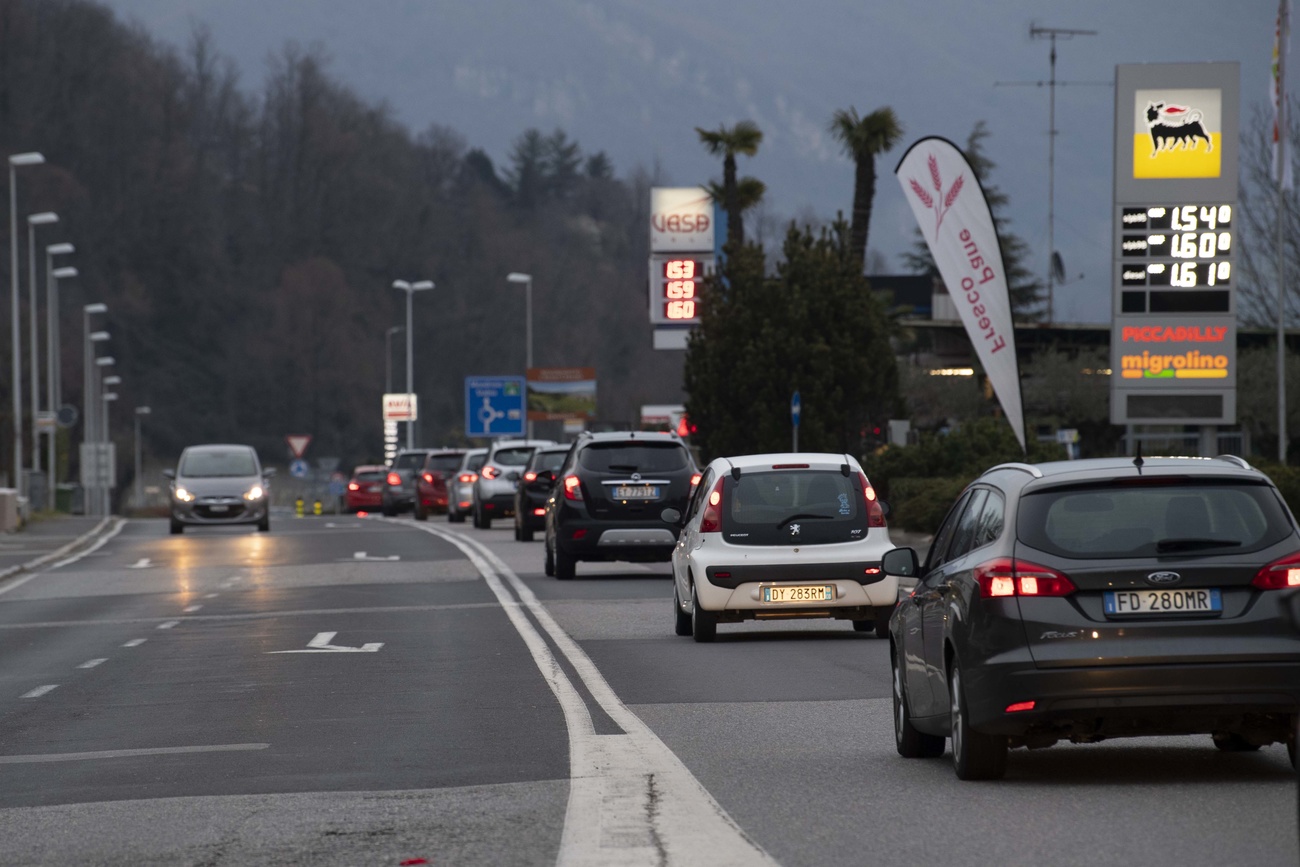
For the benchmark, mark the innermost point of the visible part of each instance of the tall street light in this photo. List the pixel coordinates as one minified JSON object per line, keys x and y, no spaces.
{"x":410,"y":289}
{"x":45,"y":218}
{"x":96,"y":451}
{"x":53,"y":387}
{"x":108,"y":398}
{"x":16,"y":384}
{"x":388,"y":357}
{"x":527,"y":280}
{"x":88,"y":356}
{"x":140,"y":412}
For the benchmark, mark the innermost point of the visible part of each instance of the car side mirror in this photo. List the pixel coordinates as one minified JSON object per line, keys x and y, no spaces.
{"x":169,"y":474}
{"x":671,"y":516}
{"x":268,"y":472}
{"x":900,"y":562}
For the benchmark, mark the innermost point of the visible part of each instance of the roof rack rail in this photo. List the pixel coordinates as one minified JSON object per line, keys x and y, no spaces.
{"x":1235,"y":459}
{"x":1016,"y":465}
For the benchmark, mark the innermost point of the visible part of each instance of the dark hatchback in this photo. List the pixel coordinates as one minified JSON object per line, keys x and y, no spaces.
{"x":609,"y":497}
{"x":534,"y":488}
{"x":1096,"y":599}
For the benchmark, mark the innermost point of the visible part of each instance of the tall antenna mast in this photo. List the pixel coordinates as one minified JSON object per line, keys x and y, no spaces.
{"x":1051,"y":34}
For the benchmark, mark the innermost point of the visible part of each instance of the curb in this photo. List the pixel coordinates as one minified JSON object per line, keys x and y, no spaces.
{"x":76,"y":543}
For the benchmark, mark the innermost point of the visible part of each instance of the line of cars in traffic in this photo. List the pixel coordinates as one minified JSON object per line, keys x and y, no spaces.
{"x":1074,"y":600}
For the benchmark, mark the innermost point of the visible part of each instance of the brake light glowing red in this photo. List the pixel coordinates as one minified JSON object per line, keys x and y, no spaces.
{"x":875,"y":512}
{"x":539,"y":512}
{"x":530,"y":476}
{"x":467,"y":478}
{"x":394,"y":479}
{"x":1280,"y":574}
{"x":711,"y":520}
{"x":1020,"y":706}
{"x":490,"y":472}
{"x":1010,"y":577}
{"x":695,"y":478}
{"x":789,"y":466}
{"x":428,"y":478}
{"x":353,"y":486}
{"x":572,"y":488}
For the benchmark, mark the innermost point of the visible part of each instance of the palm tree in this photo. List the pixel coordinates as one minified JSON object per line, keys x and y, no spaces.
{"x":743,"y":138}
{"x":863,"y":138}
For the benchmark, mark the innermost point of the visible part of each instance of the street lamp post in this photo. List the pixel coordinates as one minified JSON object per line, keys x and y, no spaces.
{"x":410,"y":289}
{"x":140,"y":412}
{"x":108,"y":397}
{"x":15,"y":383}
{"x":388,"y":357}
{"x":53,"y":392}
{"x":45,"y":218}
{"x":527,"y":280}
{"x":94,"y":416}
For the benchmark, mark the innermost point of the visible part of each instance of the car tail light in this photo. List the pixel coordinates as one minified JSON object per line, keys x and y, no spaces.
{"x":490,"y":472}
{"x":353,"y":486}
{"x":428,"y":478}
{"x":572,"y":488}
{"x":394,"y":479}
{"x":1280,"y":574}
{"x":711,"y":520}
{"x":539,"y":512}
{"x":695,"y":478}
{"x":789,"y":466}
{"x":468,"y":478}
{"x":1009,"y":577}
{"x":1020,"y":706}
{"x":530,"y":476}
{"x":875,"y":512}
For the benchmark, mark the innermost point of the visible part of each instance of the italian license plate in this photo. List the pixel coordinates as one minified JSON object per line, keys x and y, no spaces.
{"x":1193,"y":601}
{"x":218,"y":509}
{"x":636,"y":492}
{"x":800,"y":593}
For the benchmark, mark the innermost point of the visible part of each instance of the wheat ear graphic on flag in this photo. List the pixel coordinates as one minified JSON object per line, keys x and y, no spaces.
{"x":930,"y":201}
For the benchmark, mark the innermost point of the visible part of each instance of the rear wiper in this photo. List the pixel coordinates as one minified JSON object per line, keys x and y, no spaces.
{"x":803,"y":516}
{"x":1194,"y":544}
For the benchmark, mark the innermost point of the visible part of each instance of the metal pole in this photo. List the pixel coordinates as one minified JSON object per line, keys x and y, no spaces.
{"x":1051,"y":186}
{"x":139,"y":488}
{"x":528,"y":316}
{"x":410,"y":425}
{"x":1282,"y":443}
{"x":87,"y":432}
{"x":16,"y":385}
{"x":108,"y":487}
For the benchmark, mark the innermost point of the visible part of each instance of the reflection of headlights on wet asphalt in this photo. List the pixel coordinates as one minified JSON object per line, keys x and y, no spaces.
{"x":183,"y":495}
{"x":255,"y":493}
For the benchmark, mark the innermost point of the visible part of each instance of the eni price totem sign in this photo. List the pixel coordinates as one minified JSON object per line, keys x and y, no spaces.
{"x":1174,"y":314}
{"x":681,"y":256}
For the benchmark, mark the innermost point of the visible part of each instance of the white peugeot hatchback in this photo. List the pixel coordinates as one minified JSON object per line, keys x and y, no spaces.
{"x":781,"y":536}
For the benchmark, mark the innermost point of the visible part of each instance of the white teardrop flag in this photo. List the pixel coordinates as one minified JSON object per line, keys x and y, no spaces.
{"x":955,"y":220}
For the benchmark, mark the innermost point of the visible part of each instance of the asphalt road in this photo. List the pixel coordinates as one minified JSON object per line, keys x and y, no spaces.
{"x":150,"y":713}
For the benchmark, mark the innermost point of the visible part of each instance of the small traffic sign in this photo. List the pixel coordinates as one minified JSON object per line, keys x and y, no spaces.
{"x":796,"y":407}
{"x":494,"y":406}
{"x":298,"y":443}
{"x":299,"y":469}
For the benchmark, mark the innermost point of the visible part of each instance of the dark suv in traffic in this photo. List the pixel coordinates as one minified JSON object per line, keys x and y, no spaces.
{"x":1095,"y":599}
{"x":609,"y":495}
{"x":534,"y":488}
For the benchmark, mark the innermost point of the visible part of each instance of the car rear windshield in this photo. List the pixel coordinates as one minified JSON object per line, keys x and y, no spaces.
{"x":211,"y":463}
{"x":634,"y":458}
{"x":1153,"y":518}
{"x":514,"y":457}
{"x":370,"y":476}
{"x":786,"y":507}
{"x":447,"y":463}
{"x":474,"y":463}
{"x":408,"y":461}
{"x":549,"y":460}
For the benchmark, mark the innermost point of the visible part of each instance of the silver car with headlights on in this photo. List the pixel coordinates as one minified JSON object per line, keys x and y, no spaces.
{"x":219,"y":484}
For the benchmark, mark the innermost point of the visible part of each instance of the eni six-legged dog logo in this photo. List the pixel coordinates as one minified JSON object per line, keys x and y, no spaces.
{"x":1176,"y":126}
{"x":1177,"y":133}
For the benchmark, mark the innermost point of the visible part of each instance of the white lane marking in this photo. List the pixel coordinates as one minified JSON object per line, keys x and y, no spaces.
{"x":252,"y":615}
{"x":142,"y":563}
{"x":361,"y":555}
{"x":168,"y":624}
{"x":14,"y":585}
{"x":230,"y":582}
{"x":135,"y":642}
{"x":321,"y":644}
{"x":40,"y":691}
{"x":631,"y":800}
{"x":192,"y":608}
{"x":91,"y":663}
{"x":123,"y":754}
{"x":210,"y":595}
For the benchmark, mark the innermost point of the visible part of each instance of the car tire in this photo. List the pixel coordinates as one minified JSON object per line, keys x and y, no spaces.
{"x":455,"y":517}
{"x":1228,"y":742}
{"x":421,"y":513}
{"x":549,"y":567}
{"x":681,"y":619}
{"x":523,"y":534}
{"x":704,"y":624}
{"x":975,"y":755}
{"x":387,"y":511}
{"x":1291,"y":742}
{"x":911,"y":744}
{"x":264,"y":525}
{"x":882,"y":625}
{"x":177,"y":527}
{"x":863,"y":625}
{"x":565,"y":565}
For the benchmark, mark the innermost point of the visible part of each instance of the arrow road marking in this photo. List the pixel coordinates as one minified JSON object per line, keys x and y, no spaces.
{"x":142,"y":563}
{"x":321,"y":644}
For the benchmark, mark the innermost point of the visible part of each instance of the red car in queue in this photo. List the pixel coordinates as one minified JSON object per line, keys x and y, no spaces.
{"x":365,"y":489}
{"x":431,"y":480}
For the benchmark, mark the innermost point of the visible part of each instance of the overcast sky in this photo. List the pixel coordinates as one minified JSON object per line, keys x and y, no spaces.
{"x":634,"y":78}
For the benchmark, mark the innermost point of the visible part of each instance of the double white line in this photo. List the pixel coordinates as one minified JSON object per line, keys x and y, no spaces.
{"x":631,"y":800}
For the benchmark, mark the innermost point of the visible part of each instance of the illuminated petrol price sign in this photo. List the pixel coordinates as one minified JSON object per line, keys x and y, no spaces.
{"x":1183,"y":246}
{"x":675,"y":283}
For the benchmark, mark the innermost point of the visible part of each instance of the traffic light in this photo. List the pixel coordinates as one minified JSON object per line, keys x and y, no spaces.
{"x":685,"y":427}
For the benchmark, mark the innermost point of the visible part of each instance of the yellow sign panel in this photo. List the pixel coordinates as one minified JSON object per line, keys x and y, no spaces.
{"x":1187,"y":365}
{"x":1194,"y":161}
